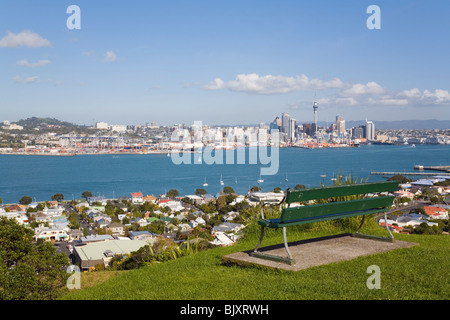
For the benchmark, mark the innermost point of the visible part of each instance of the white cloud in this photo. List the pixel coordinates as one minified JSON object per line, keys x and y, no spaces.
{"x":25,"y":63}
{"x":346,"y":94}
{"x":24,"y":38}
{"x":415,"y":96}
{"x":110,"y":56}
{"x":357,"y":89}
{"x":269,"y":84}
{"x":387,"y":101}
{"x":28,"y":80}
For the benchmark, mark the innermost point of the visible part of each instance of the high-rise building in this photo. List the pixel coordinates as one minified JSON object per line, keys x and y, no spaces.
{"x":315,"y":108}
{"x":292,"y":129}
{"x":285,"y":123}
{"x":340,"y":126}
{"x":370,"y":130}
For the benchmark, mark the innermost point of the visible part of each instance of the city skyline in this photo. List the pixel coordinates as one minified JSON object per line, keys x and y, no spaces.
{"x":224,"y":62}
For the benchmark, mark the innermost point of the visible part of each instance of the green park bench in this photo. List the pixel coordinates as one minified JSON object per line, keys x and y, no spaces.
{"x":343,"y":201}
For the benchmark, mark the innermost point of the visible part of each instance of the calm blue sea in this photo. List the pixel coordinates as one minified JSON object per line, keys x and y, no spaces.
{"x":118,"y":175}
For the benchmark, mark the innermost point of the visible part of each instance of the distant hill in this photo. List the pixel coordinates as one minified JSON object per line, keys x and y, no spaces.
{"x":35,"y":122}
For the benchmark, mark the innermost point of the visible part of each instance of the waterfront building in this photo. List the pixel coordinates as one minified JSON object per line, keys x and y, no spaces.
{"x":370,"y":130}
{"x":285,"y":123}
{"x":101,"y":125}
{"x":137,"y":198}
{"x":340,"y":126}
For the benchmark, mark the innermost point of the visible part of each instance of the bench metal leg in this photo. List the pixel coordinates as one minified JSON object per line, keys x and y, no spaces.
{"x":260,"y":239}
{"x":256,"y":253}
{"x":361,"y":235}
{"x":286,"y":244}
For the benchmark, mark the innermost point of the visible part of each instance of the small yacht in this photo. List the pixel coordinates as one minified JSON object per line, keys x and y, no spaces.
{"x":205,"y":184}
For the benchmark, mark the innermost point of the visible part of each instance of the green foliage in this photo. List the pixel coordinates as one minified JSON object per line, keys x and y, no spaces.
{"x":160,"y":251}
{"x":27,"y":270}
{"x":86,"y":194}
{"x":200,"y":192}
{"x":57,"y":197}
{"x":399,"y":178}
{"x":172,"y":193}
{"x":25,"y":200}
{"x":228,"y":190}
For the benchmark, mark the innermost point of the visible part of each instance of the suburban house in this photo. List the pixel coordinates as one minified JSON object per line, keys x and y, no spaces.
{"x":227,"y":227}
{"x":50,"y":234}
{"x":404,"y":194}
{"x":142,"y":235}
{"x":266,"y":197}
{"x":436,"y":212}
{"x":101,"y":253}
{"x":55,"y":211}
{"x":137,"y":198}
{"x":140,"y":221}
{"x":20,"y":217}
{"x":151,"y":199}
{"x":100,"y":199}
{"x":116,"y":229}
{"x":197,"y":200}
{"x":96,"y":238}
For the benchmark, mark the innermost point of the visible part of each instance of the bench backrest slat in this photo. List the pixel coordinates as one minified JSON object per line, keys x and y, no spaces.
{"x":311,"y":211}
{"x":340,"y":191}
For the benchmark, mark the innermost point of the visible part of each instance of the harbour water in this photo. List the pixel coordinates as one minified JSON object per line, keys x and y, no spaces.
{"x":40,"y":177}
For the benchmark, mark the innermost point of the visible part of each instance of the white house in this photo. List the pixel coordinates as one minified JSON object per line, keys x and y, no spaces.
{"x":51,"y":234}
{"x":222,"y":239}
{"x":137,"y":198}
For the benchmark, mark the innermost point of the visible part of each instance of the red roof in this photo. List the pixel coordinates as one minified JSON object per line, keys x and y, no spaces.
{"x":434,"y":211}
{"x":136,"y":195}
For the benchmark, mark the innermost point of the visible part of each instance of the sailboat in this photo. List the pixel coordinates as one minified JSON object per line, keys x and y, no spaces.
{"x":221,"y":181}
{"x":205,"y":184}
{"x":286,"y":178}
{"x":260,"y":180}
{"x":235,"y":180}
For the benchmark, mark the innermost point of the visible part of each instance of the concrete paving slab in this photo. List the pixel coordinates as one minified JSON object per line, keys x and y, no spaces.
{"x":318,"y":251}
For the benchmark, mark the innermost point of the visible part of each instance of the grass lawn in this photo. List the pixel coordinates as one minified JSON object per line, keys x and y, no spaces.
{"x":418,"y":273}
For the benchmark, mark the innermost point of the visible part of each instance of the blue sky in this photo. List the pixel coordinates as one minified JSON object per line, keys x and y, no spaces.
{"x":224,"y":62}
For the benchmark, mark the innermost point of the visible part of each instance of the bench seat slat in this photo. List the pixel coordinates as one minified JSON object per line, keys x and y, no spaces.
{"x":277,"y":223}
{"x":335,"y":207}
{"x":327,"y":211}
{"x":340,"y":191}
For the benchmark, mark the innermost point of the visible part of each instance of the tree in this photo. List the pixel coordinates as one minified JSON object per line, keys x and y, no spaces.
{"x":228,"y":190}
{"x":57,"y":197}
{"x":86,"y":194}
{"x":173,"y":193}
{"x":25,"y":200}
{"x":278,"y":190}
{"x":255,"y":189}
{"x":27,"y":270}
{"x":399,"y":178}
{"x":299,"y":187}
{"x":200,"y":192}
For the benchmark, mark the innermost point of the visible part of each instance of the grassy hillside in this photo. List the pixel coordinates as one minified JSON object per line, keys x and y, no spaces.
{"x":420,"y":272}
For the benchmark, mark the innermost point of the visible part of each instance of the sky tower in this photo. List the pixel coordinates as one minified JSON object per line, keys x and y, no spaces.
{"x":315,"y":107}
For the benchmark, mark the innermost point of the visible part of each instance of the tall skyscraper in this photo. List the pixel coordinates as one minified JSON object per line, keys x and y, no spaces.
{"x":315,"y":108}
{"x":292,"y":129}
{"x":340,"y":126}
{"x":285,"y":123}
{"x":370,"y":130}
